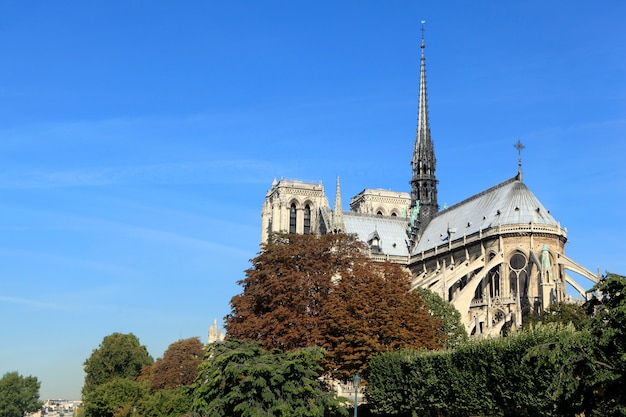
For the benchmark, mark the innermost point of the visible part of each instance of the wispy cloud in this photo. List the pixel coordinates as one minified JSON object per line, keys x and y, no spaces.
{"x":223,"y":171}
{"x":52,"y":258}
{"x":35,"y":303}
{"x":189,"y":149}
{"x":177,"y":239}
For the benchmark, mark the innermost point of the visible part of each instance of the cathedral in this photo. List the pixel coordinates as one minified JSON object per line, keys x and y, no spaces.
{"x":496,"y":256}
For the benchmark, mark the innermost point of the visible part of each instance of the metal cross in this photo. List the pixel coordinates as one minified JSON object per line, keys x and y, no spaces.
{"x":519,"y":148}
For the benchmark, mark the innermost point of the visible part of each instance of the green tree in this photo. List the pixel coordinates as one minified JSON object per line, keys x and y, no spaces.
{"x":487,"y":377}
{"x":370,"y":310}
{"x":285,"y":291}
{"x":452,"y":332}
{"x":18,"y":395}
{"x":573,"y":373}
{"x":118,"y":356}
{"x":179,"y":365}
{"x":608,"y":328}
{"x":118,"y":397}
{"x":240,"y":379}
{"x":561,"y":312}
{"x":111,"y":388}
{"x":166,"y":402}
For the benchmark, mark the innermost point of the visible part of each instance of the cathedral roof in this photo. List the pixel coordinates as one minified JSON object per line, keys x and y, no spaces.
{"x":507,"y":203}
{"x":391,"y":231}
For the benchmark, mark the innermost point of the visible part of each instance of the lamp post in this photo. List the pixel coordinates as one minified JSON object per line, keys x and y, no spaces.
{"x":356,"y":380}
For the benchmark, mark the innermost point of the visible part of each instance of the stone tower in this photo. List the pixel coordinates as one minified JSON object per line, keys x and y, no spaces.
{"x":423,"y":181}
{"x":293,"y":206}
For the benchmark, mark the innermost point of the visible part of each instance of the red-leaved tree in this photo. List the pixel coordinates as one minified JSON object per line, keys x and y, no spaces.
{"x":373,"y":310}
{"x":179,"y":364}
{"x":285,"y":291}
{"x":307,"y":290}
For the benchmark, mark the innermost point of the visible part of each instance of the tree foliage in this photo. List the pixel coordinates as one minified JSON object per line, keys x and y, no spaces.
{"x":115,"y":398}
{"x":240,"y":379}
{"x":118,"y":356}
{"x":608,"y":330}
{"x":306,"y":290}
{"x":550,"y":369}
{"x":371,"y":310}
{"x":452,"y":332}
{"x":121,"y":382}
{"x":179,"y":365}
{"x":561,"y":312}
{"x":285,"y":291}
{"x":110,"y":376}
{"x":166,"y":402}
{"x":18,"y":395}
{"x":487,"y":377}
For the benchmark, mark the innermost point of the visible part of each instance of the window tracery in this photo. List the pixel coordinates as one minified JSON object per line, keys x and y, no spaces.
{"x":518,"y":278}
{"x":307,"y":219}
{"x":292,"y":218}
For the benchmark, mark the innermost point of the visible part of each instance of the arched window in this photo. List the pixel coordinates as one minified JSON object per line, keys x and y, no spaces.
{"x":518,"y":282}
{"x":379,"y":213}
{"x":394,"y":214}
{"x":493,"y":277}
{"x":292,"y":219}
{"x":494,"y":282}
{"x":307,"y":219}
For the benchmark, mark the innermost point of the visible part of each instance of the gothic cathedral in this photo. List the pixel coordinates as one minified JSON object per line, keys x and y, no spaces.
{"x":496,"y":256}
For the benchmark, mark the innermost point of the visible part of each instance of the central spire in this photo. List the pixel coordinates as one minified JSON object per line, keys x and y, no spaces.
{"x":423,"y":181}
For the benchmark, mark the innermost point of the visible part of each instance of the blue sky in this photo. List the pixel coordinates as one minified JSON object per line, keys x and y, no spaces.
{"x":138,"y":140}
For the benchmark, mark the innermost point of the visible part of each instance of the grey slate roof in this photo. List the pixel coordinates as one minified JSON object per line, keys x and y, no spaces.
{"x":509,"y":202}
{"x":391,"y":231}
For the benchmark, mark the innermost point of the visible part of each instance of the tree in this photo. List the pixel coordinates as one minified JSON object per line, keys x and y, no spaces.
{"x":117,"y":397}
{"x":18,"y":395}
{"x":370,"y":310}
{"x":592,"y":362}
{"x":179,"y":365}
{"x":118,"y":356}
{"x":561,"y":312}
{"x":111,"y":371}
{"x":509,"y":376}
{"x":285,"y":291}
{"x":307,"y":290}
{"x":166,"y":402}
{"x":608,"y":328}
{"x":240,"y":379}
{"x":452,"y":331}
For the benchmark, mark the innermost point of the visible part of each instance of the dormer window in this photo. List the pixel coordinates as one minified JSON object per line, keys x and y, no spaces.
{"x":374,"y":242}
